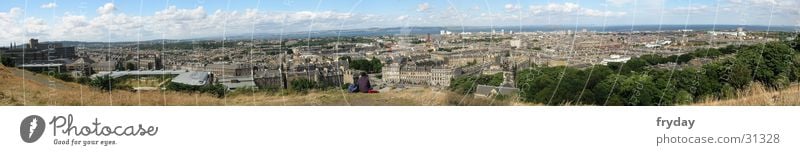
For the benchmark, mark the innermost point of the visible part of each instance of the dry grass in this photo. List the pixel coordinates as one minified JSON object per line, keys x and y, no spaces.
{"x":15,"y":90}
{"x":758,"y":95}
{"x":417,"y":97}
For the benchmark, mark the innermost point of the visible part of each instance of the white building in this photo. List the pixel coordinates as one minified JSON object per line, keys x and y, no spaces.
{"x":615,"y":58}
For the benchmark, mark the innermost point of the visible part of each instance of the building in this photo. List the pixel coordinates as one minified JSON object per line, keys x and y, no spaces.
{"x":55,"y":67}
{"x":229,"y":70}
{"x":516,"y":44}
{"x":37,"y":52}
{"x":105,"y":66}
{"x":615,"y":58}
{"x":234,"y":83}
{"x":441,"y":76}
{"x":269,"y":79}
{"x":181,"y":76}
{"x":436,"y":76}
{"x":193,"y":78}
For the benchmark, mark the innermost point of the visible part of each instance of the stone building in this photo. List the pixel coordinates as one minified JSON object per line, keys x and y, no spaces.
{"x":229,"y":70}
{"x":436,"y":76}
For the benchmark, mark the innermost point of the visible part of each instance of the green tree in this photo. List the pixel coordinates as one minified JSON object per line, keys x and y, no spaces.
{"x":778,"y":59}
{"x":634,"y":65}
{"x":684,"y":58}
{"x":130,"y":66}
{"x":684,"y":97}
{"x":303,"y":84}
{"x":6,"y":61}
{"x":104,"y":83}
{"x":740,"y":75}
{"x":797,"y":42}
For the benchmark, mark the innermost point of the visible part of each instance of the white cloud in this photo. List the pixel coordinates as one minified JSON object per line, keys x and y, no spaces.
{"x":173,"y":23}
{"x":570,"y":9}
{"x":691,"y":9}
{"x":49,"y":5}
{"x":402,"y":18}
{"x":619,"y":2}
{"x":553,"y":7}
{"x":423,"y":7}
{"x":476,"y":8}
{"x":106,"y":9}
{"x":511,"y":7}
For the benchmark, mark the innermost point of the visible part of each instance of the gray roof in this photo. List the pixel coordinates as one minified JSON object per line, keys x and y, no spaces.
{"x":116,"y":74}
{"x":192,"y":78}
{"x":184,"y":77}
{"x":40,"y":65}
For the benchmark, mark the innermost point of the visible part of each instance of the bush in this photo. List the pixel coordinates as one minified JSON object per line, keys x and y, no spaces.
{"x":369,"y":66}
{"x":6,"y":61}
{"x":303,"y":84}
{"x":217,"y":90}
{"x":61,"y":76}
{"x":104,"y":83}
{"x":774,"y":64}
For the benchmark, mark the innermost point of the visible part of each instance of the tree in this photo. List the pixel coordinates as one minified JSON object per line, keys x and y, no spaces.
{"x":6,"y":61}
{"x":710,"y":79}
{"x":61,"y":76}
{"x":376,"y":65}
{"x":635,"y":64}
{"x":653,"y":59}
{"x":217,"y":90}
{"x":130,"y":66}
{"x":369,"y":66}
{"x":797,"y":42}
{"x":463,"y":85}
{"x":684,"y":58}
{"x":740,"y":75}
{"x":303,"y":84}
{"x":777,"y":59}
{"x":683,"y":97}
{"x":104,"y":83}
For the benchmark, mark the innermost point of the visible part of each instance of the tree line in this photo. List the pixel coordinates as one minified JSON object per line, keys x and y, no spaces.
{"x":637,"y":83}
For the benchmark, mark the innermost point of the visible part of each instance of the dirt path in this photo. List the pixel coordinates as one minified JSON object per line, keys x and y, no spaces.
{"x":43,"y":79}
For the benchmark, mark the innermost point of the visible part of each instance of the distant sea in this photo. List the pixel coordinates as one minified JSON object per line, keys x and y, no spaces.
{"x":436,"y":30}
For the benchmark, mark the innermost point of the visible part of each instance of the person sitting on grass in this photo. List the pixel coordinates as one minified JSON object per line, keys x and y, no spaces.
{"x":363,"y":83}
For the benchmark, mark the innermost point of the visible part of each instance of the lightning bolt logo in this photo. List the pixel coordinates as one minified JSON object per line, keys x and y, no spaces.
{"x":31,"y":128}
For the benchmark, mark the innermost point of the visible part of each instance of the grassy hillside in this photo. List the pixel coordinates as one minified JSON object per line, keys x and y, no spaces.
{"x":758,"y":95}
{"x":38,"y":89}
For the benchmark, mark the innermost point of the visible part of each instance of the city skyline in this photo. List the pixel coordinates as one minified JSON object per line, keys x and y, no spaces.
{"x":132,"y":20}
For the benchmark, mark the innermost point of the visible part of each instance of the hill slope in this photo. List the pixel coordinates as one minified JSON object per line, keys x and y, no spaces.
{"x":19,"y":87}
{"x":757,"y":95}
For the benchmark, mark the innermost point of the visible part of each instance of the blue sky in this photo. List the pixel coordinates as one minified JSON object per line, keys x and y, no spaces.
{"x":130,"y":20}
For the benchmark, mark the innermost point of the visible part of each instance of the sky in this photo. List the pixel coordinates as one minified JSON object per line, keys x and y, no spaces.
{"x":132,"y":20}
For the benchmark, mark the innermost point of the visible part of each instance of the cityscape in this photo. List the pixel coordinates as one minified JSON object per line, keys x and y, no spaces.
{"x":539,"y":54}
